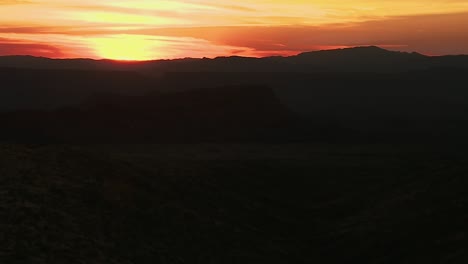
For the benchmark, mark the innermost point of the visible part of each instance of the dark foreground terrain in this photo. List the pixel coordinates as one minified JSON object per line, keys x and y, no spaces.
{"x":354,"y":155}
{"x":233,"y":203}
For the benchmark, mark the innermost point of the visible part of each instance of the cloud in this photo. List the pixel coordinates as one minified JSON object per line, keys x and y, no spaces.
{"x":20,"y":47}
{"x":15,"y":2}
{"x":30,"y":29}
{"x":125,"y":10}
{"x":234,"y":7}
{"x":430,"y":34}
{"x":435,"y":34}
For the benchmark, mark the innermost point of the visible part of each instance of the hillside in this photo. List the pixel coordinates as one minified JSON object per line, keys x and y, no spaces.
{"x":71,"y":106}
{"x":29,"y":89}
{"x":211,"y":203}
{"x":324,"y":157}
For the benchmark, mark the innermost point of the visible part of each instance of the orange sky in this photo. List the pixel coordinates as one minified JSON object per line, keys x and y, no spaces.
{"x":152,"y":29}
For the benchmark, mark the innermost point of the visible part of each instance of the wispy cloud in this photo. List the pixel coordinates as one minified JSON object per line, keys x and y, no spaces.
{"x":263,"y":27}
{"x":21,"y":47}
{"x":15,"y":2}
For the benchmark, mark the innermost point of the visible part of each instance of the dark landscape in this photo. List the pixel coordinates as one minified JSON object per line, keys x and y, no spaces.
{"x":339,"y":156}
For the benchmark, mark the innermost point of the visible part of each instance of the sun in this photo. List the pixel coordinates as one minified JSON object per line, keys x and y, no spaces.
{"x":126,"y":47}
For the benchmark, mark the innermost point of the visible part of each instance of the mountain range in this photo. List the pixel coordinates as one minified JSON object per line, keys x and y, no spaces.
{"x":358,"y":59}
{"x":324,"y":157}
{"x":366,"y":92}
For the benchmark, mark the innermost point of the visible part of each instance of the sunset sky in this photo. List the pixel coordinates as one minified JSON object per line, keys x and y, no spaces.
{"x":152,"y":29}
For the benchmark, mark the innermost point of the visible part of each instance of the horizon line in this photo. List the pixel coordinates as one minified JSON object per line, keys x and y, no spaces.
{"x":233,"y":56}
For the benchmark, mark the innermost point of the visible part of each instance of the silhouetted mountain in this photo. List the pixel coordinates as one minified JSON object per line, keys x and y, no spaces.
{"x":364,"y":93}
{"x":222,"y":114}
{"x":200,"y":107}
{"x":358,"y":59}
{"x":367,"y":59}
{"x":49,"y":89}
{"x":324,"y":157}
{"x":32,"y":62}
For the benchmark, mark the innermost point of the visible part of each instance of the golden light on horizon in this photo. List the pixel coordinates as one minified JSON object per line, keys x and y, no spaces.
{"x":147,"y":29}
{"x":126,"y":47}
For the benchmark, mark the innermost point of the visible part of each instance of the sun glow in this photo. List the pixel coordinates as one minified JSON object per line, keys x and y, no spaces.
{"x":127,"y":47}
{"x":168,"y":29}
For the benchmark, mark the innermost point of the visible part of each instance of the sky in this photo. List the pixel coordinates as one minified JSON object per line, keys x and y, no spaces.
{"x":152,"y":29}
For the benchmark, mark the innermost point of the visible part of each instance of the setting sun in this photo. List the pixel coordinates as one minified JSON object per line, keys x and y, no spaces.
{"x":126,"y":47}
{"x":168,"y":29}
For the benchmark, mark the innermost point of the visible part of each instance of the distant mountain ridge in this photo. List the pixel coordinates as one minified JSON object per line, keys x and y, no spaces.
{"x":365,"y":94}
{"x":358,"y":59}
